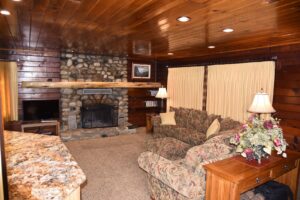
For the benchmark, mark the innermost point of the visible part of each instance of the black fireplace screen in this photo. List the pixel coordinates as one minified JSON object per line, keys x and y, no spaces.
{"x":100,"y":115}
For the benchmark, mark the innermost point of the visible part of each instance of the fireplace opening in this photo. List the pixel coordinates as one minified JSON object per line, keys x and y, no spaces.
{"x":99,"y":116}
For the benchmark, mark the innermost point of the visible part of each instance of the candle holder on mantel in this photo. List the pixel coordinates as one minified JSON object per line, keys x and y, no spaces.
{"x":162,"y":94}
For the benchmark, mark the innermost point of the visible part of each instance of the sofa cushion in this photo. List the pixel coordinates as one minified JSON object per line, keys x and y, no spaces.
{"x":190,"y":136}
{"x":228,"y":123}
{"x":180,"y":116}
{"x":169,"y":148}
{"x":168,"y":118}
{"x":190,"y":118}
{"x":165,"y":131}
{"x":196,"y":119}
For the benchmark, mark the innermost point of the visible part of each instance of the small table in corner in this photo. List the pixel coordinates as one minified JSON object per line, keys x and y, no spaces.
{"x":49,"y":127}
{"x":227,"y":179}
{"x":149,"y":125}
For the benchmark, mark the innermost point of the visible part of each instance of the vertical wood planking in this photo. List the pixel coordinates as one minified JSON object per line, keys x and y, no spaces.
{"x":38,"y":66}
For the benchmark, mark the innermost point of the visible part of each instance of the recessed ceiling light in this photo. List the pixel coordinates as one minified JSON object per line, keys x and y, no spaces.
{"x":16,"y":0}
{"x":183,"y":19}
{"x":4,"y":12}
{"x":211,"y":47}
{"x":228,"y":30}
{"x":170,"y":54}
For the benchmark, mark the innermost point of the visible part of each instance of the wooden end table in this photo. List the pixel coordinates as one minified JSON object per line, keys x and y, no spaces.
{"x":149,"y":125}
{"x":227,"y":179}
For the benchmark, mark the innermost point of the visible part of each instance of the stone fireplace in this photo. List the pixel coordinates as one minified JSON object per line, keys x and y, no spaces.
{"x":78,"y":67}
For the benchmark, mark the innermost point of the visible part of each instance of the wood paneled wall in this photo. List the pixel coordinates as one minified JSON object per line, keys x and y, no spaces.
{"x":287,"y":78}
{"x":37,"y":66}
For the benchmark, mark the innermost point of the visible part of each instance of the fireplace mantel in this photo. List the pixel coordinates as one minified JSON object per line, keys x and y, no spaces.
{"x":32,"y":84}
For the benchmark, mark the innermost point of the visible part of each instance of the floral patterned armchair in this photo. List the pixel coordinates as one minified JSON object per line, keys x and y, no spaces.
{"x":184,"y":179}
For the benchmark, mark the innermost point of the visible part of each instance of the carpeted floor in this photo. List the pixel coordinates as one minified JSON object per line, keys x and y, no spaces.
{"x":111,"y":167}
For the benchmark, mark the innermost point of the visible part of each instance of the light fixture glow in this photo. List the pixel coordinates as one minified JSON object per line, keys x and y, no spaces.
{"x":17,"y":0}
{"x":211,"y":47}
{"x":183,"y":19}
{"x":228,"y":30}
{"x":4,"y":12}
{"x":170,"y":54}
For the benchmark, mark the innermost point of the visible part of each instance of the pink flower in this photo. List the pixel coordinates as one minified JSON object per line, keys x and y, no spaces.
{"x":277,"y":142}
{"x":268,"y":124}
{"x":251,"y":117}
{"x":248,"y":152}
{"x":244,"y":127}
{"x":237,"y":137}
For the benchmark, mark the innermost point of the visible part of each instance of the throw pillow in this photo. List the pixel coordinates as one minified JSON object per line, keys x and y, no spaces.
{"x":168,"y":118}
{"x":213,"y":129}
{"x":208,"y":121}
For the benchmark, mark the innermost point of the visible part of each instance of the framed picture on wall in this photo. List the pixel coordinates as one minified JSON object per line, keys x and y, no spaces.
{"x":141,"y":71}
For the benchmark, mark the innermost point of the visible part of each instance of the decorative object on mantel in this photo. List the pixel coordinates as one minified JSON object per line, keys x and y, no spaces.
{"x":162,"y":94}
{"x":32,"y":84}
{"x":258,"y":137}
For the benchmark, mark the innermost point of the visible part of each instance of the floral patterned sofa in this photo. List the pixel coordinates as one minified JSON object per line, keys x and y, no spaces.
{"x":173,"y":141}
{"x":184,"y":179}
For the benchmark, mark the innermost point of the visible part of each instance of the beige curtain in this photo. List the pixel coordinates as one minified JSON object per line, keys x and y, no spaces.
{"x":9,"y":90}
{"x":185,"y":87}
{"x":231,"y":88}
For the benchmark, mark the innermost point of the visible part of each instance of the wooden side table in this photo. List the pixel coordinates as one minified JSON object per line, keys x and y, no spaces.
{"x":227,"y":179}
{"x":149,"y":125}
{"x":50,"y":127}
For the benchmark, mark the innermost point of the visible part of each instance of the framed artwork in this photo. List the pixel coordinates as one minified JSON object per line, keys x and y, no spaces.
{"x":141,"y":71}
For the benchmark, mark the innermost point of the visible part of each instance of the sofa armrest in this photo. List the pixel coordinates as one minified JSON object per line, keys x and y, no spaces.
{"x":207,"y":153}
{"x":156,"y":120}
{"x":176,"y":176}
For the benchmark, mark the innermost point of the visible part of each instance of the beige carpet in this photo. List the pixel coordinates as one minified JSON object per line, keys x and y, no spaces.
{"x":111,"y":167}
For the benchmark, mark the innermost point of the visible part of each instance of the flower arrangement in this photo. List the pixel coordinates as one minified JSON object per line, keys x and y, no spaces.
{"x":257,"y":138}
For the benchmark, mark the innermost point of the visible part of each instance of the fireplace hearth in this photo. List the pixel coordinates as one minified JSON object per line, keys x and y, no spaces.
{"x":99,"y":116}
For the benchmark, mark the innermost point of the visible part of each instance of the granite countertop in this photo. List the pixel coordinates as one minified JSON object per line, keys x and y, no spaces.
{"x":40,"y":167}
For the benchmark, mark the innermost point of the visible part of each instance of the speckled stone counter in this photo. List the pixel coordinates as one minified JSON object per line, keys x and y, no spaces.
{"x":40,"y":167}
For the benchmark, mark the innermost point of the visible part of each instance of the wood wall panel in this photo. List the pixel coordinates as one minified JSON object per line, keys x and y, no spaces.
{"x":37,"y":66}
{"x":287,"y":77}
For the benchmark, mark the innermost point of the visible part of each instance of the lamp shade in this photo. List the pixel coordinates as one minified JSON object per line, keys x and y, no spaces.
{"x":162,"y":93}
{"x":261,"y":104}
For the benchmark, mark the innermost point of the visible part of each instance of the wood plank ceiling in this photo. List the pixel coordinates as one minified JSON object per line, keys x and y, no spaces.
{"x":116,"y":27}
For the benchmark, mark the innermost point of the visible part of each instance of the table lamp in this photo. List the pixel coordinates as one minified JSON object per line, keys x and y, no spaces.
{"x":261,"y":104}
{"x":162,"y":94}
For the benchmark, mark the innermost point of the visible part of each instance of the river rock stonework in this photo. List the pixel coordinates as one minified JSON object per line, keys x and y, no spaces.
{"x":78,"y":67}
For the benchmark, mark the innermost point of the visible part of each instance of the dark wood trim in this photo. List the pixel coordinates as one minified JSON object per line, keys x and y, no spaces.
{"x":204,"y":100}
